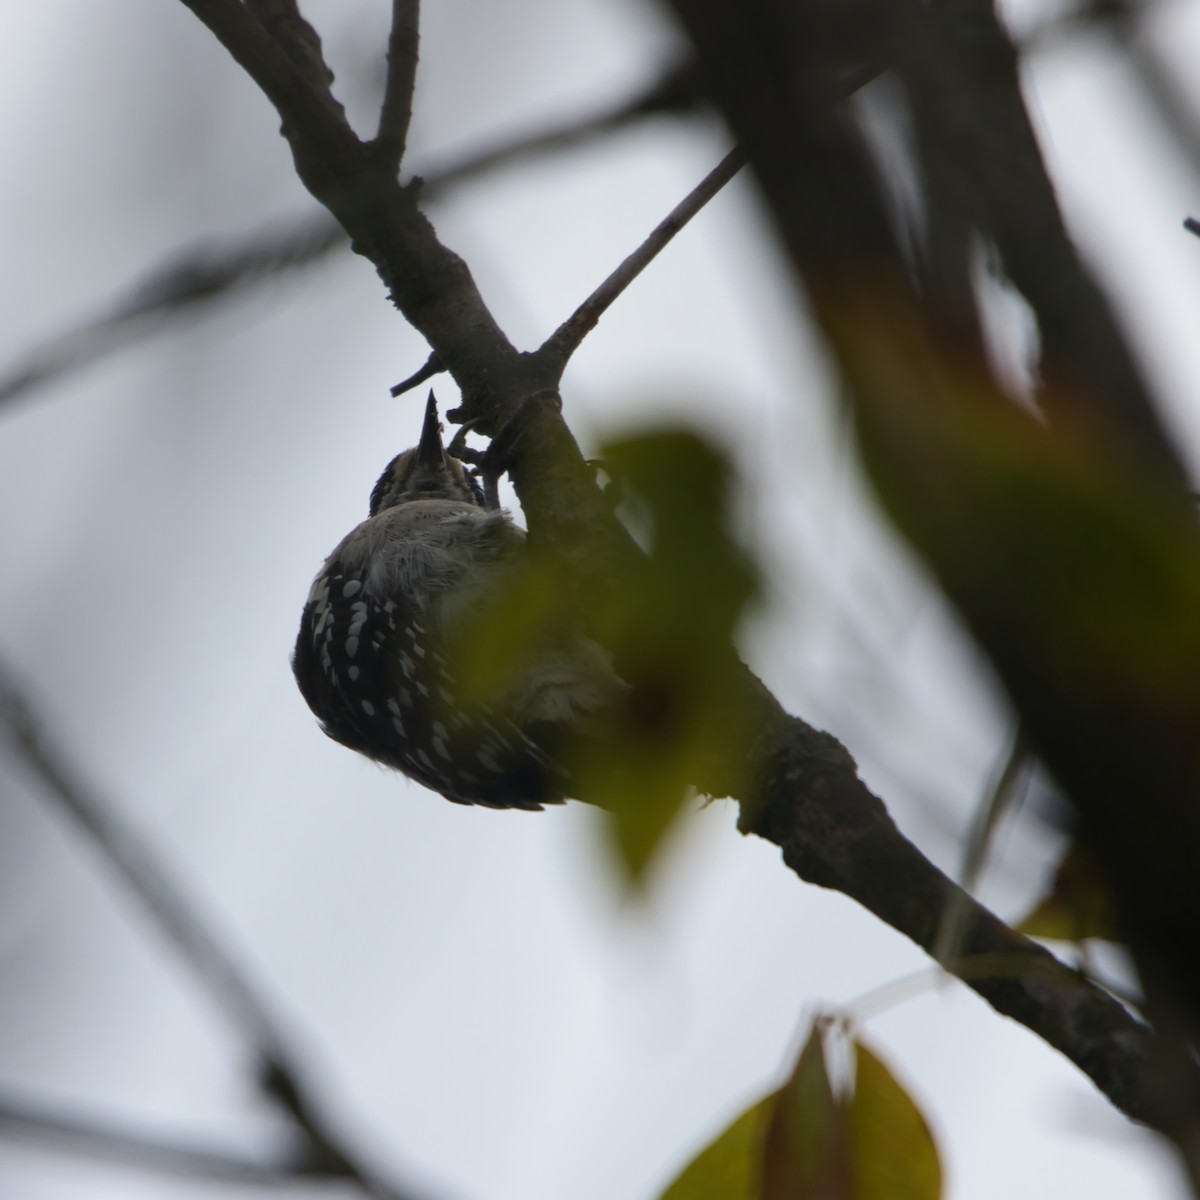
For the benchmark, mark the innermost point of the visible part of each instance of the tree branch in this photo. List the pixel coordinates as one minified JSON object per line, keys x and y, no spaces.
{"x":166,"y":905}
{"x":965,"y":53}
{"x":566,"y":339}
{"x":673,"y":92}
{"x":428,"y":283}
{"x":835,"y":833}
{"x":402,"y":55}
{"x":198,"y":275}
{"x":188,"y":278}
{"x":284,"y":24}
{"x":433,"y":366}
{"x":86,"y":1135}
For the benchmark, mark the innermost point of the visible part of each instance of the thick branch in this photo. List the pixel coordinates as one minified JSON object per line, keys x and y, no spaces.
{"x":286,"y":26}
{"x":290,"y":70}
{"x":429,"y":284}
{"x":835,"y":833}
{"x":964,"y":53}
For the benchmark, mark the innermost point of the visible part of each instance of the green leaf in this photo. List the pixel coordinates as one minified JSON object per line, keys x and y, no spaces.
{"x":806,"y":1142}
{"x":729,"y":1167}
{"x":1075,"y":561}
{"x":1079,"y":905}
{"x":893,"y":1154}
{"x":807,"y":1151}
{"x":671,"y":632}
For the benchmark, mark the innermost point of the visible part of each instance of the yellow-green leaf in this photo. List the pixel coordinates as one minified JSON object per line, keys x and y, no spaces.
{"x":1076,"y":562}
{"x":1079,"y":905}
{"x":671,"y":631}
{"x":729,"y":1167}
{"x":807,"y":1153}
{"x":893,"y":1154}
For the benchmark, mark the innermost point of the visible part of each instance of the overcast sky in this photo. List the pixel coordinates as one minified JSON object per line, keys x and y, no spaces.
{"x":486,"y":1012}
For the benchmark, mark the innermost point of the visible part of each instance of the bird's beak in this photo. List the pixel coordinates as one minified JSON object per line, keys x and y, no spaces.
{"x":430,"y":451}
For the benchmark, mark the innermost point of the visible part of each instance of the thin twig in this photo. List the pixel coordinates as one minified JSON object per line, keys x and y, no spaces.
{"x":433,"y":366}
{"x":201,"y":274}
{"x":87,"y":1135}
{"x":136,"y":865}
{"x":674,"y":92}
{"x":187,"y":278}
{"x":402,"y":54}
{"x":162,"y":899}
{"x":566,"y":339}
{"x":1007,"y":791}
{"x":967,"y":969}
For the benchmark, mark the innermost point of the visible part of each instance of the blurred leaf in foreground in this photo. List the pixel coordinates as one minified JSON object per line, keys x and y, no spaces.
{"x":807,"y":1154}
{"x":730,"y":1167}
{"x":1079,"y":905}
{"x":670,"y":632}
{"x":812,"y":1140}
{"x":893,"y":1154}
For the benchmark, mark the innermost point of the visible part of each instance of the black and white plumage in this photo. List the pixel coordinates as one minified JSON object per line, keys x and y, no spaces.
{"x":378,"y":632}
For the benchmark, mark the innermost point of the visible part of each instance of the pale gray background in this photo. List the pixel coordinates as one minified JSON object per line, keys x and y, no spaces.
{"x":486,"y":1013}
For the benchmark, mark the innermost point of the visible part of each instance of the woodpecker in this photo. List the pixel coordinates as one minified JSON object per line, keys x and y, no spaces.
{"x":378,"y":637}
